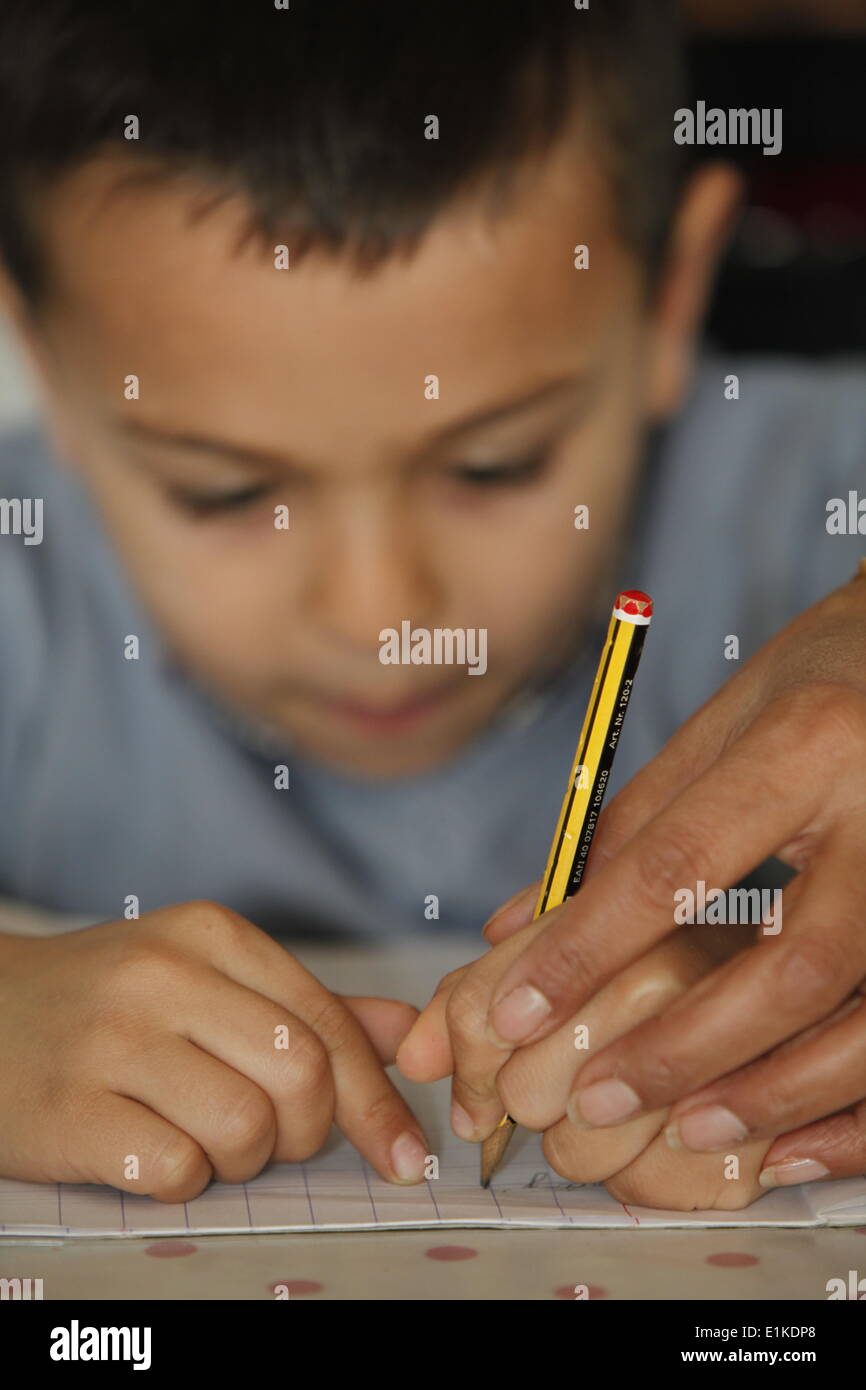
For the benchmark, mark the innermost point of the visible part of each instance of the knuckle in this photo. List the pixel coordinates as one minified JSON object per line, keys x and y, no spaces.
{"x":824,"y":718}
{"x":840,"y":1139}
{"x":138,"y":967}
{"x":779,"y":1098}
{"x":212,"y":921}
{"x":311,"y":1065}
{"x":474,"y":1090}
{"x":466,"y":1011}
{"x":666,"y":865}
{"x":615,"y":827}
{"x":813,"y":971}
{"x":663,"y":1076}
{"x":380,"y":1111}
{"x":248,"y":1123}
{"x":333,"y":1025}
{"x":563,"y":959}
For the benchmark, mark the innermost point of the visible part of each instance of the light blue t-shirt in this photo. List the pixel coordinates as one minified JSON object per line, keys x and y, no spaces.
{"x":123,"y":777}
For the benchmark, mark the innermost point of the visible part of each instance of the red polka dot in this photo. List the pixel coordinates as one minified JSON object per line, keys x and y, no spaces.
{"x":732,"y":1259}
{"x":861,"y":1230}
{"x":567,"y":1291}
{"x":296,"y":1286}
{"x":450,"y":1252}
{"x":168,"y":1249}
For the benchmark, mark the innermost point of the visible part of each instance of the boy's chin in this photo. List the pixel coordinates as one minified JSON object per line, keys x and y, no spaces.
{"x":382,"y":759}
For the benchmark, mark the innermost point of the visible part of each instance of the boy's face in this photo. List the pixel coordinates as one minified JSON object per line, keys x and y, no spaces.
{"x":306,"y":387}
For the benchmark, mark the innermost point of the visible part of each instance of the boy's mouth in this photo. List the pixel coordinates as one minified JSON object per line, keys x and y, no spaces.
{"x":391,"y":718}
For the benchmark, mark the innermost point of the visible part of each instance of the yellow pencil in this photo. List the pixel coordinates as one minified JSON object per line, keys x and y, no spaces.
{"x":587,"y":784}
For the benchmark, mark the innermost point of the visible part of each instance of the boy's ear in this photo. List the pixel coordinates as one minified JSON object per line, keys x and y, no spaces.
{"x":701,"y":229}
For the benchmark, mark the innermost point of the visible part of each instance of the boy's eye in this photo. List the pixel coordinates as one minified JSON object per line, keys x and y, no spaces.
{"x":203,"y":504}
{"x":501,"y":474}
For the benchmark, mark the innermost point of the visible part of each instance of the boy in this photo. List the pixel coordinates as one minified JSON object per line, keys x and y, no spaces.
{"x":343,"y":321}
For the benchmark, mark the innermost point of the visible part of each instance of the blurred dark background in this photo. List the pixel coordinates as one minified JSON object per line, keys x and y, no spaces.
{"x":795,"y":277}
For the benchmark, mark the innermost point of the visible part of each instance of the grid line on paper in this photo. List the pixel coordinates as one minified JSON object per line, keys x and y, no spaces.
{"x":490,"y":1189}
{"x":555,"y":1195}
{"x":630,"y":1215}
{"x":307,"y":1190}
{"x":247,"y":1202}
{"x":433,"y":1200}
{"x":369,"y":1192}
{"x":59,"y":1205}
{"x":122,"y":1210}
{"x":186,"y":1215}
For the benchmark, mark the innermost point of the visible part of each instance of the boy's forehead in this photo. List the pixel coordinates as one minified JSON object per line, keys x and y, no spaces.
{"x":154,"y":276}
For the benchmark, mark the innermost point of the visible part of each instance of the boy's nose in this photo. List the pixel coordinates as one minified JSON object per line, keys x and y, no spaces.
{"x":372,"y":572}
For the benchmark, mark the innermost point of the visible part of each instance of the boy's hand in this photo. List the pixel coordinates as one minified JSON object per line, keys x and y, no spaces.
{"x":773,"y":764}
{"x":633,"y":1159}
{"x":159,"y":1043}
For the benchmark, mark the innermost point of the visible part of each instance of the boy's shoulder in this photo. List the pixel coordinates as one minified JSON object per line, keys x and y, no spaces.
{"x":775,"y":415}
{"x":58,"y":579}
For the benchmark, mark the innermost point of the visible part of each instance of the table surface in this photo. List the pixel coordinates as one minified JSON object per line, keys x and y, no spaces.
{"x":736,"y":1264}
{"x":754,"y":1264}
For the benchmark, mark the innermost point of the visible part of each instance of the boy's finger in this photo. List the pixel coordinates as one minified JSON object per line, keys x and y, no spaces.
{"x":425,"y":1053}
{"x":368,"y":1108}
{"x":476,"y":1106}
{"x":451,"y":978}
{"x":220,"y":1104}
{"x":267,"y":1045}
{"x":171,"y":1166}
{"x":690,"y":1182}
{"x":535,"y":1083}
{"x":387,"y":1022}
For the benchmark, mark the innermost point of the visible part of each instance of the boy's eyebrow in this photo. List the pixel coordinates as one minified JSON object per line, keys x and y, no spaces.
{"x":203,"y":444}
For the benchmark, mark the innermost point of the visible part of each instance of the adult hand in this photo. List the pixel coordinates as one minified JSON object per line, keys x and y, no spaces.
{"x":773,"y":764}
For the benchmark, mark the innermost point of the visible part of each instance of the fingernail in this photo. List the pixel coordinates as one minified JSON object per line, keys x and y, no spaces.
{"x":708,"y":1127}
{"x":519,"y":1014}
{"x":462,"y":1124}
{"x":672,"y":1135}
{"x":408,"y":1157}
{"x":607,"y":1102}
{"x":515,"y":906}
{"x":792,"y":1170}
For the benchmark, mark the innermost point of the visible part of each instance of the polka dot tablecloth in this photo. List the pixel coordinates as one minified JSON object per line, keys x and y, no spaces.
{"x":409,"y":1265}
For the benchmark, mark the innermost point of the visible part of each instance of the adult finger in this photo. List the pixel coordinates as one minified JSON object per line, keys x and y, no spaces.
{"x":834,"y":1147}
{"x":815,"y":1076}
{"x":736,"y":814}
{"x":761,"y":998}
